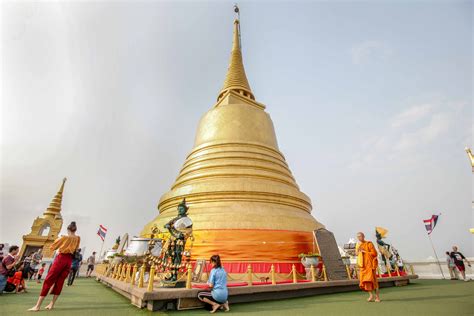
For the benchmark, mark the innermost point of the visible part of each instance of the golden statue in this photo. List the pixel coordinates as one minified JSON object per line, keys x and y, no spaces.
{"x":46,"y":228}
{"x":244,"y":201}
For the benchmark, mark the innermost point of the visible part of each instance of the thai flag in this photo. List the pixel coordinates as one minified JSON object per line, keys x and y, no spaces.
{"x":431,"y":223}
{"x":102,"y":232}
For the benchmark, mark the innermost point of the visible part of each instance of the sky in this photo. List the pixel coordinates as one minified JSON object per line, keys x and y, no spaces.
{"x":371,"y":102}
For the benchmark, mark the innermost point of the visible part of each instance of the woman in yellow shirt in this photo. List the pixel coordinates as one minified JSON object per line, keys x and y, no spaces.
{"x":66,"y":246}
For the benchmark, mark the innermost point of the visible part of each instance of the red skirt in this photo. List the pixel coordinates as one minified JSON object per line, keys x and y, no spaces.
{"x":57,"y":273}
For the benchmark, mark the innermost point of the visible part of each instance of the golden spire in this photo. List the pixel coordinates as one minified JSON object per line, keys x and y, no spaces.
{"x":54,"y":207}
{"x":236,"y":79}
{"x":471,"y":157}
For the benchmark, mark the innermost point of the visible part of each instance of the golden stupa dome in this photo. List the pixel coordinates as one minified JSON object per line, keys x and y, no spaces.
{"x":239,"y":188}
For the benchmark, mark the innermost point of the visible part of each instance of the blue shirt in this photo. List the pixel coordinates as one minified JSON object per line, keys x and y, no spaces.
{"x":218,"y":280}
{"x":76,"y":261}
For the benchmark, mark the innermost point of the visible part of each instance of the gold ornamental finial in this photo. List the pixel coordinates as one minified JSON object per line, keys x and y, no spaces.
{"x":471,"y":157}
{"x":237,"y":11}
{"x":54,"y":207}
{"x":236,"y":79}
{"x":61,"y":189}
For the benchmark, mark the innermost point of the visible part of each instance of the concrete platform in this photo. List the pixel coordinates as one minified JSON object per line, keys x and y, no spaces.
{"x":181,"y":299}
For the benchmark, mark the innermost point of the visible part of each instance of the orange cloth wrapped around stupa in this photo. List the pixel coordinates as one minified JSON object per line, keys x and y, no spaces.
{"x":367,"y":262}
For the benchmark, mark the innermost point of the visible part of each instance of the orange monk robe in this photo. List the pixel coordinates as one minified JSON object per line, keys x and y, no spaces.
{"x":368,"y":277}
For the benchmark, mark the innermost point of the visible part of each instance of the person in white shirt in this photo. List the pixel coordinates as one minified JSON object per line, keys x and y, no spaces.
{"x":451,"y":266}
{"x":90,"y":265}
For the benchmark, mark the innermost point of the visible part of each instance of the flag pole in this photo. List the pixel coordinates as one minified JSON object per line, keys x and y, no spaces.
{"x":436,"y":255}
{"x":102,"y":247}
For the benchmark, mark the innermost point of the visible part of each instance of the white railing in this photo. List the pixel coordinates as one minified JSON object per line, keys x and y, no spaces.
{"x":429,"y":269}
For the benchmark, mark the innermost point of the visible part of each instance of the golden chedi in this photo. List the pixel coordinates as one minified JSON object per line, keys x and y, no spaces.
{"x":243,"y":200}
{"x":46,"y":228}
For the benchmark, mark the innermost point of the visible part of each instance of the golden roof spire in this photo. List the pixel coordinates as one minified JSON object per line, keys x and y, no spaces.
{"x":236,"y":79}
{"x":471,"y":157}
{"x":54,"y":207}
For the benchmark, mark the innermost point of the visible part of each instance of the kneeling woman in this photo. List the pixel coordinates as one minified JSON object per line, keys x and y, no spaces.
{"x":217,"y":282}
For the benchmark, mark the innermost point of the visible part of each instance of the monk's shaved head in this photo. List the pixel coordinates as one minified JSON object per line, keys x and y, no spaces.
{"x":360,"y":236}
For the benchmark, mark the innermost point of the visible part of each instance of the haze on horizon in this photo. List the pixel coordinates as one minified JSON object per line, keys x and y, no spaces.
{"x":371,"y":102}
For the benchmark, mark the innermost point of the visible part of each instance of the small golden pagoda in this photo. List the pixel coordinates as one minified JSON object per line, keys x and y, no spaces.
{"x":46,"y":228}
{"x":243,"y":200}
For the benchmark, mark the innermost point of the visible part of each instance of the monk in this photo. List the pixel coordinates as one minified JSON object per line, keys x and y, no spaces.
{"x":368,"y":263}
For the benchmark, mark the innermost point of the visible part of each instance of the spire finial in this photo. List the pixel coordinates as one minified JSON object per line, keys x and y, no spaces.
{"x":236,"y":79}
{"x":54,"y":207}
{"x":237,"y":41}
{"x":471,"y":157}
{"x":61,"y":189}
{"x":237,"y":11}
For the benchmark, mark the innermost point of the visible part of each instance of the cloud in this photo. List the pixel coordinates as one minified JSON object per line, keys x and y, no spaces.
{"x":437,"y":126}
{"x":369,"y":51}
{"x":408,"y":131}
{"x":411,"y":115}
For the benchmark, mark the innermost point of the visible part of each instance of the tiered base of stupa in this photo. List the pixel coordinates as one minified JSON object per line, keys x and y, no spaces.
{"x":181,"y":299}
{"x":242,"y":240}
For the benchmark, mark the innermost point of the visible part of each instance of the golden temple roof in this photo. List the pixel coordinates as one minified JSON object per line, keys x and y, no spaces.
{"x":236,"y":79}
{"x":54,"y":207}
